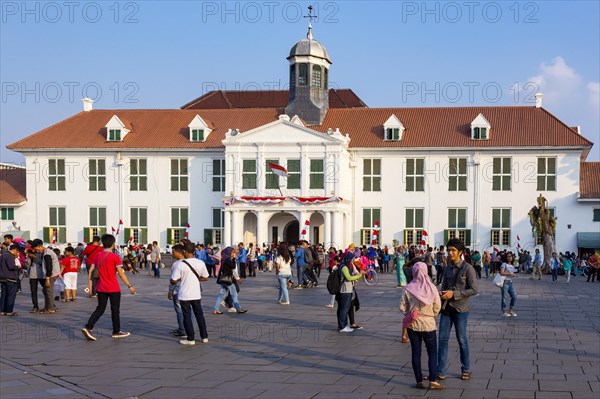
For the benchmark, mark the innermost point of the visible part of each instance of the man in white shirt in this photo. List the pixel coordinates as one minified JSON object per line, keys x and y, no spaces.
{"x":189,"y":271}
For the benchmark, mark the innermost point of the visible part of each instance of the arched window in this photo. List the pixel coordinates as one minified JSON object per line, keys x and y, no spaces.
{"x":316,"y":76}
{"x":302,"y":74}
{"x":292,"y":76}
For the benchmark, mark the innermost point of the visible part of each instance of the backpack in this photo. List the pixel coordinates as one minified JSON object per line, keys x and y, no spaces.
{"x":334,"y":282}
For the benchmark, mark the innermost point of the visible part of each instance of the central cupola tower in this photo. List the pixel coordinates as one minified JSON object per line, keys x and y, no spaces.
{"x":309,"y":80}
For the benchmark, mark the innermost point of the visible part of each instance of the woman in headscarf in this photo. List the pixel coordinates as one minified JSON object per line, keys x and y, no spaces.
{"x":229,"y":270}
{"x":420,"y":303}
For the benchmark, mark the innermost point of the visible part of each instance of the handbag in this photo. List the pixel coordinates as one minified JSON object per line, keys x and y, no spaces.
{"x":498,"y":280}
{"x":225,"y":280}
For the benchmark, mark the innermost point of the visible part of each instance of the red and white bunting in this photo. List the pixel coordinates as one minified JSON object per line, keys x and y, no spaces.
{"x":276,"y":200}
{"x":278,"y":169}
{"x":315,"y":200}
{"x":375,"y":233}
{"x":187,"y":231}
{"x":304,"y":230}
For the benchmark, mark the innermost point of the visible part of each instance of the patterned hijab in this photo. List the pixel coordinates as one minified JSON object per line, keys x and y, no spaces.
{"x":421,"y":286}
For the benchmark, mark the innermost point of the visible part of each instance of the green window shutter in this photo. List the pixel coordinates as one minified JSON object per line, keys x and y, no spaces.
{"x":506,"y":218}
{"x":483,"y":133}
{"x":208,"y":235}
{"x":126,"y":234}
{"x":505,"y":183}
{"x":410,"y":166}
{"x":175,"y":217}
{"x":134,"y":183}
{"x":410,"y":218}
{"x":143,"y":217}
{"x":541,"y":166}
{"x":4,"y":214}
{"x":87,"y":234}
{"x":396,"y":134}
{"x":420,"y":186}
{"x":217,"y":218}
{"x":61,"y":183}
{"x":62,"y":234}
{"x":376,"y":216}
{"x":551,"y":166}
{"x":446,"y":236}
{"x":551,"y":183}
{"x":293,"y":179}
{"x":174,"y":166}
{"x":468,"y":237}
{"x":101,"y":216}
{"x":184,"y":216}
{"x":143,"y":183}
{"x":366,"y":183}
{"x":462,"y":218}
{"x":462,"y":183}
{"x":53,"y":216}
{"x":541,"y":183}
{"x":60,"y":167}
{"x":406,"y":237}
{"x":419,"y":218}
{"x":317,"y":176}
{"x":496,"y":218}
{"x":174,"y":183}
{"x":410,"y":183}
{"x":144,"y":235}
{"x":497,"y":166}
{"x":134,"y":220}
{"x":367,"y":167}
{"x":101,"y":231}
{"x":101,"y":183}
{"x":367,"y":218}
{"x":452,"y":183}
{"x":377,"y":184}
{"x":596,"y":215}
{"x":171,"y":236}
{"x":249,"y":174}
{"x":453,"y":166}
{"x":420,"y":167}
{"x":452,"y":218}
{"x":496,"y":183}
{"x":52,"y":167}
{"x":271,"y":179}
{"x":377,"y":167}
{"x":47,"y":234}
{"x":11,"y":213}
{"x":93,"y":216}
{"x":462,"y":166}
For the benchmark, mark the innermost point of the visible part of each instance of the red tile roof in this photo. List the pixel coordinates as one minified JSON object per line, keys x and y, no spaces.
{"x":589,"y":180}
{"x":12,"y":186}
{"x":424,"y":127}
{"x":228,"y":99}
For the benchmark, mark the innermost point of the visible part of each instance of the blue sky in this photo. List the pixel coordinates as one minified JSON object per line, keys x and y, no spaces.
{"x":158,"y":54}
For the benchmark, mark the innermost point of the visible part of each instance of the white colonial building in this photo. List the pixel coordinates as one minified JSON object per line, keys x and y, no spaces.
{"x":421,"y":173}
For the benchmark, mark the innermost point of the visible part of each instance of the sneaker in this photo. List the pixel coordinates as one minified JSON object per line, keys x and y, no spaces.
{"x":346,"y":329}
{"x":513,"y":313}
{"x":298,"y":287}
{"x":88,"y":334}
{"x":217,"y":312}
{"x":186,"y":342}
{"x":242,"y":311}
{"x":205,"y":340}
{"x":285,"y":303}
{"x":231,"y":310}
{"x":506,"y":314}
{"x":121,"y":334}
{"x":329,"y":305}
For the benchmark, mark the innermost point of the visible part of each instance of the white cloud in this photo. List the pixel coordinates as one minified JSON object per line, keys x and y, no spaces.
{"x":593,"y":89}
{"x":559,"y":83}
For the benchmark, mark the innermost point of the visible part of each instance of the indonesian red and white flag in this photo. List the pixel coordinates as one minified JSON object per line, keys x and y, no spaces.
{"x":304,"y":229}
{"x":53,"y":236}
{"x":496,"y":249}
{"x":423,"y":242}
{"x":113,"y":229}
{"x":375,"y":233}
{"x":425,"y":233}
{"x":518,"y":245}
{"x":187,"y":231}
{"x":518,"y":238}
{"x":278,"y":169}
{"x":119,"y":226}
{"x":131,"y":239}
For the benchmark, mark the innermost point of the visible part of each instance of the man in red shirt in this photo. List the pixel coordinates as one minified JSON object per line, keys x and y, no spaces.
{"x":88,"y":255}
{"x":108,"y":264}
{"x":69,"y":268}
{"x":593,"y":261}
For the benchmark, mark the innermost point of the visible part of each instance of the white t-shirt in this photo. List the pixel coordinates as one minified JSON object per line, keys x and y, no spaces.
{"x":189,"y":286}
{"x":284,"y":268}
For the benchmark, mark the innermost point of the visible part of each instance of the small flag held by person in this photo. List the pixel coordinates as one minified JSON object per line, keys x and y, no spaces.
{"x":304,"y":230}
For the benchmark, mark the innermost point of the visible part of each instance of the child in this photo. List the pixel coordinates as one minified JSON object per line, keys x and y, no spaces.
{"x":69,"y":267}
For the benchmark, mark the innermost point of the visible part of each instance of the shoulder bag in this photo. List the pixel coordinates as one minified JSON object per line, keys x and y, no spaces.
{"x":195,"y":272}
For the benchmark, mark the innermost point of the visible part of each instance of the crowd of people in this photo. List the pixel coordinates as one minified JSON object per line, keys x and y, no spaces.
{"x":435,"y":281}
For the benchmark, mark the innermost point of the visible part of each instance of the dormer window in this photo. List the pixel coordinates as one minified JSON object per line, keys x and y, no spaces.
{"x":480,"y":128}
{"x":199,"y":130}
{"x":393,"y":129}
{"x":116,"y":129}
{"x":197,"y":135}
{"x":114,"y":135}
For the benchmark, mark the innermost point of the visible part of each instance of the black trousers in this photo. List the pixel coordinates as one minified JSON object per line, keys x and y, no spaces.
{"x":187,"y":308}
{"x":115,"y":305}
{"x":33,"y":287}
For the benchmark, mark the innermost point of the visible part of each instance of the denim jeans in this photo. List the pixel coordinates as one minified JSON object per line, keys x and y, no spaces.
{"x":459,"y":320}
{"x":232,"y":292}
{"x":284,"y":295}
{"x":430,"y":340}
{"x":195,"y":306}
{"x":344,"y":303}
{"x":179,"y":313}
{"x":300,"y":270}
{"x":508,"y":286}
{"x":156,"y":269}
{"x":8,"y":296}
{"x":115,"y":304}
{"x":486,"y":267}
{"x":554,"y":274}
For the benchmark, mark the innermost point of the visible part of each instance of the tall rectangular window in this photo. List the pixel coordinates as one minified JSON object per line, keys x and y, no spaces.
{"x":139,"y":217}
{"x":457,"y":174}
{"x":413,"y":231}
{"x":57,"y":229}
{"x":317,"y":174}
{"x":179,"y":175}
{"x":501,"y":174}
{"x":97,"y":217}
{"x":293,"y":178}
{"x":58,"y":216}
{"x":56,"y":175}
{"x":271,"y":179}
{"x":372,"y":175}
{"x":138,"y":177}
{"x":218,"y":223}
{"x":97,"y":175}
{"x":457,"y":226}
{"x":596,"y":216}
{"x":415,"y":174}
{"x":546,"y":174}
{"x":500,"y":226}
{"x":218,"y":177}
{"x":197,"y":135}
{"x":370,"y":216}
{"x":249,"y":174}
{"x":179,"y":220}
{"x":8,"y":213}
{"x":138,"y":231}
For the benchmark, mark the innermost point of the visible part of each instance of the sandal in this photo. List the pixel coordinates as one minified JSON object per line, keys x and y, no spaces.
{"x":217,"y":312}
{"x":441,"y":377}
{"x":405,"y":340}
{"x":11,"y":314}
{"x":34,"y":310}
{"x":44,"y":311}
{"x":435,"y":385}
{"x":466,"y":376}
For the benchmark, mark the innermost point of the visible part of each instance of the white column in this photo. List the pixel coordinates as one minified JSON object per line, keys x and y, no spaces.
{"x":227,"y":229}
{"x":304,"y":216}
{"x":327,"y":230}
{"x":261,"y":228}
{"x":337,"y":235}
{"x":236,"y":235}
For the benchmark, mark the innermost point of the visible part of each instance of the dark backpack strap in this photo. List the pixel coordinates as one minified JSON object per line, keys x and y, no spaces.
{"x":195,"y":272}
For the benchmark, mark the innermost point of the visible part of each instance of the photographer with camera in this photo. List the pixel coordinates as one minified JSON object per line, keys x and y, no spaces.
{"x":459,"y":282}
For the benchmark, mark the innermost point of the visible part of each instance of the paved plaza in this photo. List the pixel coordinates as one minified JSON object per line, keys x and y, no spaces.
{"x":551,"y":350}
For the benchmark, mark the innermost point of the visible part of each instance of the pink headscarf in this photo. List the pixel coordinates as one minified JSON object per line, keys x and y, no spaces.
{"x":421,"y":286}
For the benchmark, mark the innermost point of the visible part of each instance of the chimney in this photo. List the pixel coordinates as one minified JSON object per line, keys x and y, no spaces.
{"x":538,"y":100}
{"x":87,"y":104}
